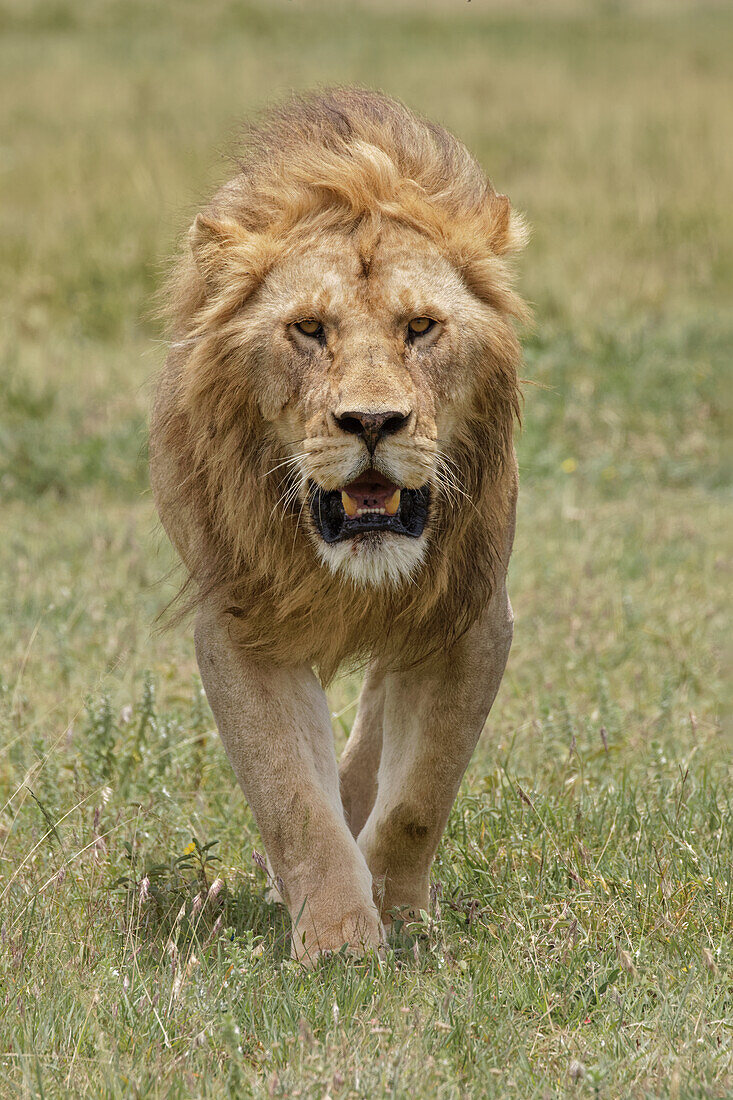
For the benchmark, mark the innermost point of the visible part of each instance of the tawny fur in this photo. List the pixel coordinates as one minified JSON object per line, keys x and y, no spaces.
{"x":354,"y":165}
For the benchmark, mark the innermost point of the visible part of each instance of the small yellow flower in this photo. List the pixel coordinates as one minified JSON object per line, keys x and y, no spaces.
{"x":189,"y":849}
{"x":569,"y":465}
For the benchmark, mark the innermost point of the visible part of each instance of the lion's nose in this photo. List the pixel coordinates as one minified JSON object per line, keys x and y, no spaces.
{"x":371,"y":426}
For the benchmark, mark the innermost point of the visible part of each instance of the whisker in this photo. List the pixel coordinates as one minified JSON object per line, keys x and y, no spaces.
{"x":293,"y":460}
{"x":446,"y":474}
{"x":297,"y":523}
{"x":287,"y":496}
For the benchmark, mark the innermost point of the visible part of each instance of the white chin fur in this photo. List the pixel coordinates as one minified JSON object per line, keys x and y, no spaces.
{"x":374,"y":559}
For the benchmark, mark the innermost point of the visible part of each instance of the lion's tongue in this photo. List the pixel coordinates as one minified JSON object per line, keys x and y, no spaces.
{"x":370,"y":492}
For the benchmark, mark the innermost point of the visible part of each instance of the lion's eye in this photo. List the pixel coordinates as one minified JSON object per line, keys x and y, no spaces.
{"x":418,"y":326}
{"x":311,"y":328}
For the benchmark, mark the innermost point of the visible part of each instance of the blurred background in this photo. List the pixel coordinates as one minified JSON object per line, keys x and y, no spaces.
{"x":609,"y":125}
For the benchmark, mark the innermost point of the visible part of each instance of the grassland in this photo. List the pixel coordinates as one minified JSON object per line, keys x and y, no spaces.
{"x":581,"y":939}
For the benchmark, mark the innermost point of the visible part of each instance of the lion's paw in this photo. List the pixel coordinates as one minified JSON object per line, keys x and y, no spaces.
{"x":357,"y":933}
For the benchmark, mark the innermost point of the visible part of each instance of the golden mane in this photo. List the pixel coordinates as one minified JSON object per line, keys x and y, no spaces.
{"x":342,"y":159}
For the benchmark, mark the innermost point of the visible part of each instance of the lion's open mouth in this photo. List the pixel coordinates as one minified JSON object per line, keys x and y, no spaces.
{"x":370,"y":503}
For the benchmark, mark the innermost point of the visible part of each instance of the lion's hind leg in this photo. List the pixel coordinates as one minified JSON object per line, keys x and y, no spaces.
{"x":359,"y":763}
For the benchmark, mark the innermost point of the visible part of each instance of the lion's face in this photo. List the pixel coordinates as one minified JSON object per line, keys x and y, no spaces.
{"x":337,"y":410}
{"x":366,"y":360}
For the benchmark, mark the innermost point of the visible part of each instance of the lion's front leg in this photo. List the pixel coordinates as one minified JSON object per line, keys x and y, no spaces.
{"x":275,"y":726}
{"x":433,"y":716}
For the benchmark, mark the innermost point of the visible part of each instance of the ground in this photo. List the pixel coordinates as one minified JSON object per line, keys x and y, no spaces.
{"x":580,"y":940}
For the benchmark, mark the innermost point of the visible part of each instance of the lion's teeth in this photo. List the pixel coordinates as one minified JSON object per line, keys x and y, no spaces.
{"x":393,"y":503}
{"x":350,"y":506}
{"x":353,"y":509}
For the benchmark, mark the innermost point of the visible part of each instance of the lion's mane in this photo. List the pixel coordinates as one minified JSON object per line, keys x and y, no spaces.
{"x":338,"y":160}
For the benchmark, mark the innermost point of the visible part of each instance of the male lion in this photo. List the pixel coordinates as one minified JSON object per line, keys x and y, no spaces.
{"x":332,"y":457}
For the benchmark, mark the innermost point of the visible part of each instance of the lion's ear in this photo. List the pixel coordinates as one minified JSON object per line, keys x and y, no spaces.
{"x":222,"y":248}
{"x":508,"y":231}
{"x":499,"y":231}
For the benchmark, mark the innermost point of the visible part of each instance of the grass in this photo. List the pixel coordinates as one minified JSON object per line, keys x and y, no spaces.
{"x":581,"y":937}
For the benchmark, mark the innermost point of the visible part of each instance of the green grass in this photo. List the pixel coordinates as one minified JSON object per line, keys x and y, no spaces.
{"x":581,"y":940}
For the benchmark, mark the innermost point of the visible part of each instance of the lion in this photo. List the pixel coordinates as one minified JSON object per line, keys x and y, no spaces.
{"x":332,"y":457}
